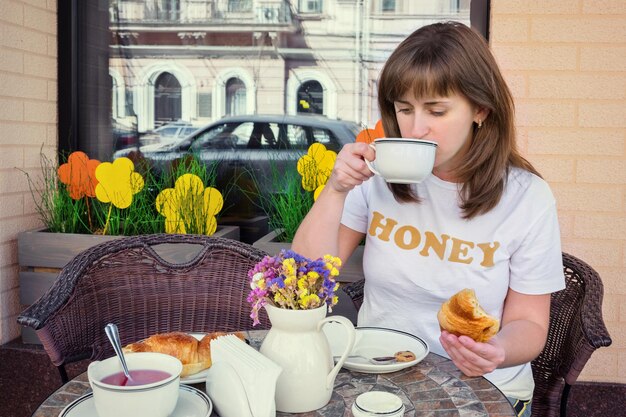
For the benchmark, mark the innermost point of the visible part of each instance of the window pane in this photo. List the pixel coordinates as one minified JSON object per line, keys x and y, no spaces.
{"x":295,"y":136}
{"x":389,"y":5}
{"x":235,"y":97}
{"x":149,"y":63}
{"x":311,"y":98}
{"x":167,"y":99}
{"x":326,"y":138}
{"x":204,"y":104}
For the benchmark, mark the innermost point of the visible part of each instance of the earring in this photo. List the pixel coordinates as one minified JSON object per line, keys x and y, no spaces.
{"x":480,"y":123}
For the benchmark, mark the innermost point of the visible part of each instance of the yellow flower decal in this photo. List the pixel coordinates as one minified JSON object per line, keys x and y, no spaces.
{"x":118,"y":182}
{"x":189,"y":207}
{"x":315,"y":167}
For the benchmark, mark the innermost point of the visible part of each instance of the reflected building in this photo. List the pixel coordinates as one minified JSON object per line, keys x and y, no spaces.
{"x":199,"y":60}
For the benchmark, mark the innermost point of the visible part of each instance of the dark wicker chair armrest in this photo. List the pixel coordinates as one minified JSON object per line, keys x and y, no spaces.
{"x":355,"y":292}
{"x":593,"y":333}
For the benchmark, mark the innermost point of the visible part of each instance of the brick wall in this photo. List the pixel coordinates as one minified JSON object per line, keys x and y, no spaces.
{"x":28,"y":116}
{"x":566,"y":63}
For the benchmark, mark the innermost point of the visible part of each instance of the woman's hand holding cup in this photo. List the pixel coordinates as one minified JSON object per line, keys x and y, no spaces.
{"x":350,"y":169}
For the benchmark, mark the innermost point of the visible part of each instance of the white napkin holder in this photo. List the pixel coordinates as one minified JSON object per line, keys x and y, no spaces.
{"x":241,"y":382}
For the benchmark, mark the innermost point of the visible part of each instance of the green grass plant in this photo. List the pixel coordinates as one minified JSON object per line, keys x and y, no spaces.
{"x":57,"y":210}
{"x":287,"y":204}
{"x":61,"y":214}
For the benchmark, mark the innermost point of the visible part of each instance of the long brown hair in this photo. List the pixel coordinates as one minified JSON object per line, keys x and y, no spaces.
{"x":450,"y":58}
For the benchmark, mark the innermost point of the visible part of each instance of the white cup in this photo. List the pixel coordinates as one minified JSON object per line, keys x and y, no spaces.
{"x":157,"y":399}
{"x":402,"y":160}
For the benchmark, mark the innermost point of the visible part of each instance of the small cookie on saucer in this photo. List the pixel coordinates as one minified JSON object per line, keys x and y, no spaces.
{"x":405,"y":356}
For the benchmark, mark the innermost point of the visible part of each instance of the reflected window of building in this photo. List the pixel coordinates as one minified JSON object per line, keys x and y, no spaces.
{"x":235,"y":97}
{"x":114,"y":97}
{"x":167,"y":99}
{"x":310,"y":98}
{"x":168,"y":10}
{"x":310,"y":6}
{"x":239,"y":5}
{"x":128,"y":103}
{"x":389,"y":5}
{"x":205,"y":108}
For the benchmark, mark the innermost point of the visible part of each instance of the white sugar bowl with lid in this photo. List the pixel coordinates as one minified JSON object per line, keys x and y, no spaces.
{"x":378,"y":404}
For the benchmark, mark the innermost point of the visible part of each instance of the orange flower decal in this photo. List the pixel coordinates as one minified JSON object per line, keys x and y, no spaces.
{"x":79,"y":174}
{"x":368,"y":135}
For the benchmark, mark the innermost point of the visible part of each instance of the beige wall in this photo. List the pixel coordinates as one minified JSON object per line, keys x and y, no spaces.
{"x":566,"y":63}
{"x":28,"y":117}
{"x":564,"y":59}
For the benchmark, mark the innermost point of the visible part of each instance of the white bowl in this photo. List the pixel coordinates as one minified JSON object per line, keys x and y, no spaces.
{"x":157,"y":399}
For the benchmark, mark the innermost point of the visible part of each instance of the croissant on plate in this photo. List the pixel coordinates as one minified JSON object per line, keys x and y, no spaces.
{"x":462,"y":315}
{"x":194,"y":354}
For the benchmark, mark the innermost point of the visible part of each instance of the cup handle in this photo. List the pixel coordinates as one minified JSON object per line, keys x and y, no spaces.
{"x":369,"y":164}
{"x":347,"y":324}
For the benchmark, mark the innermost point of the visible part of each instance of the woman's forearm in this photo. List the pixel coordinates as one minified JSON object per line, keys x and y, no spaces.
{"x":318,"y":233}
{"x":522,"y":340}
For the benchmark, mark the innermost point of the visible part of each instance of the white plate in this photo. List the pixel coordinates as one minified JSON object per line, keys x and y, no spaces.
{"x":191,"y":403}
{"x":199,"y":376}
{"x":375,"y":341}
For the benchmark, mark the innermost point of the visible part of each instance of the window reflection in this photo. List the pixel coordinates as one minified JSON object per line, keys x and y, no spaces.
{"x":235,"y":97}
{"x":167,"y":99}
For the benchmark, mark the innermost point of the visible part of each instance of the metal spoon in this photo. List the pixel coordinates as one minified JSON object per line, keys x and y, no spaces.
{"x":114,"y":338}
{"x":377,"y":360}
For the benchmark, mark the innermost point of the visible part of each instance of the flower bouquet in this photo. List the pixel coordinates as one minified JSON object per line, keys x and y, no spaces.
{"x":297,"y":293}
{"x":294,"y":282}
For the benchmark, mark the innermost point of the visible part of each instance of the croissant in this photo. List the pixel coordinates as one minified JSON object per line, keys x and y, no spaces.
{"x":462,"y":315}
{"x":194,"y":355}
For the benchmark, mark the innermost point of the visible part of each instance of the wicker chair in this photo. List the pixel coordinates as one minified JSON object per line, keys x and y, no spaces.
{"x":127,"y":282}
{"x":576,"y":330}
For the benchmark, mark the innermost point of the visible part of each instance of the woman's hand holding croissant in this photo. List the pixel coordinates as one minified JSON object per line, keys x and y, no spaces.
{"x":471,"y":357}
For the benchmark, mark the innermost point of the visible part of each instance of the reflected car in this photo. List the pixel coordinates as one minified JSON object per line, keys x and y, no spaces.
{"x":168,"y":133}
{"x":246,"y":150}
{"x":124,"y":137}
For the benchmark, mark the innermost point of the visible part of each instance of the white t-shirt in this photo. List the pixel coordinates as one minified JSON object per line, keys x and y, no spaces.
{"x":418,"y":255}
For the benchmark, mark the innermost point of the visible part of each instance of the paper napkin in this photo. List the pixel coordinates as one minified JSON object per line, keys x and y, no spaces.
{"x":241,"y":381}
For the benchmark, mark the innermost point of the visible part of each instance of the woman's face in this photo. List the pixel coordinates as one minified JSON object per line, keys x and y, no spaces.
{"x":444,"y":120}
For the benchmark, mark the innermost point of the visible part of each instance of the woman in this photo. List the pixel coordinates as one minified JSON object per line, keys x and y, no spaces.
{"x":483,"y":220}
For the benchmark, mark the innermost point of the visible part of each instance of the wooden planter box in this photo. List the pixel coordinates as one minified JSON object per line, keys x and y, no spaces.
{"x":250,"y":229}
{"x":42,"y":255}
{"x":350,"y":272}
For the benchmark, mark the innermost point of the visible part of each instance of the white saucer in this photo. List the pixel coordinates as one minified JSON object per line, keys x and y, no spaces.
{"x":191,"y":403}
{"x":375,"y":341}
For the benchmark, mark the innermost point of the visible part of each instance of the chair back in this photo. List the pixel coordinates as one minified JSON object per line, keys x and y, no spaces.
{"x":127,"y":282}
{"x":576,"y":330}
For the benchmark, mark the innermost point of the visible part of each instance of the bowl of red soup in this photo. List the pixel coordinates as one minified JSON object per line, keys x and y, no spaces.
{"x":152,"y":390}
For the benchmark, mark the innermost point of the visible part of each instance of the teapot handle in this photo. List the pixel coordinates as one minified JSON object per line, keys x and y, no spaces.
{"x":347,"y":324}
